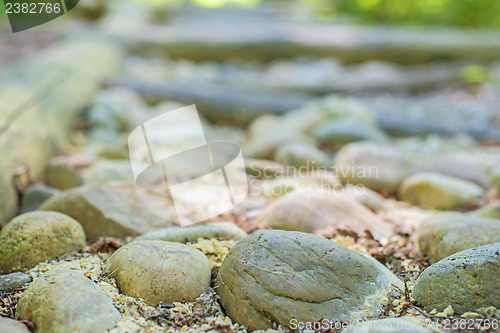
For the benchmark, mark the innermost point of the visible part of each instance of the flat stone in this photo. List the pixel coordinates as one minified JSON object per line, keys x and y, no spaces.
{"x":378,"y":167}
{"x":8,"y":325}
{"x":115,"y":209}
{"x":308,"y":212}
{"x":272,"y":277}
{"x":467,"y":280}
{"x":63,"y":300}
{"x":220,"y":231}
{"x":444,"y":234}
{"x":437,"y":191}
{"x":13,"y":281}
{"x":34,"y":237}
{"x":159,"y":271}
{"x":36,"y":195}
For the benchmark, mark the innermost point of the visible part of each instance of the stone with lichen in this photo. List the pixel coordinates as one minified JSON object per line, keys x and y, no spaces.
{"x":271,"y":277}
{"x":466,"y":281}
{"x":37,"y":236}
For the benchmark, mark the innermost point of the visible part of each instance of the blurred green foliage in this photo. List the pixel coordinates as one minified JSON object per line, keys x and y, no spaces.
{"x":207,"y":3}
{"x":475,"y":74}
{"x":466,"y":13}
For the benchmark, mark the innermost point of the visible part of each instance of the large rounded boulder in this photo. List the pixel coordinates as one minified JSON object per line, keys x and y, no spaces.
{"x":272,"y":277}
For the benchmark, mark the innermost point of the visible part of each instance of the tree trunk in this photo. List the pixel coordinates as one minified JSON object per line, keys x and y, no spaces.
{"x":39,"y":99}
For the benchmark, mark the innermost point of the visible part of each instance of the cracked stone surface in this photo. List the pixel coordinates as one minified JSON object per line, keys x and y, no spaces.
{"x":271,"y":277}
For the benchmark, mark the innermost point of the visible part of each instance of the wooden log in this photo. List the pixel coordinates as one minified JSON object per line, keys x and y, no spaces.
{"x":227,"y":36}
{"x":433,"y":113}
{"x":39,"y":99}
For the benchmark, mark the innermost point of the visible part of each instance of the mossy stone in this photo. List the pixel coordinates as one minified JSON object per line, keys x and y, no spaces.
{"x":159,"y":271}
{"x":34,"y":237}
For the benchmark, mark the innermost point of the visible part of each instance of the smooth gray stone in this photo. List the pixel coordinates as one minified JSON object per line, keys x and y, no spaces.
{"x":36,"y":195}
{"x":12,"y":281}
{"x":272,"y":277}
{"x":64,"y":300}
{"x":466,"y":280}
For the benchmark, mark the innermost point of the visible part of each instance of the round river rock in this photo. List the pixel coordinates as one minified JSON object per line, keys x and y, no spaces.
{"x":34,"y":237}
{"x":467,"y":280}
{"x":273,"y":276}
{"x":64,"y":300}
{"x":159,"y":271}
